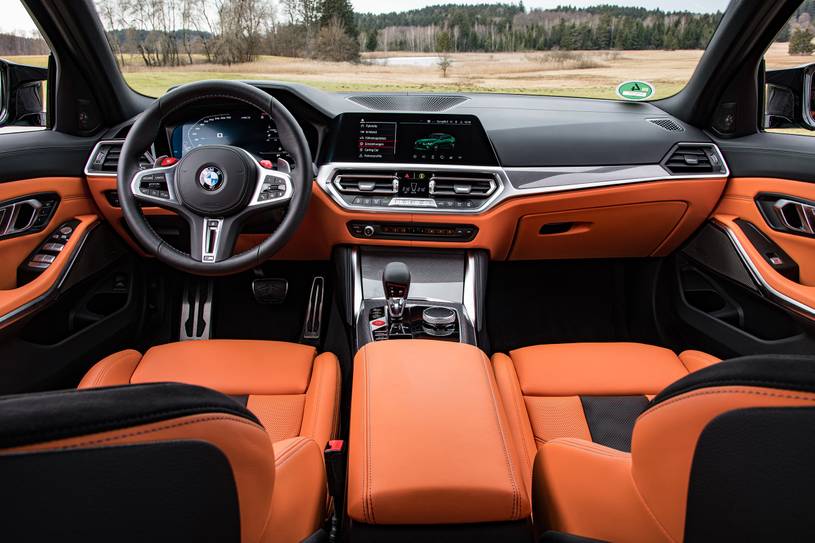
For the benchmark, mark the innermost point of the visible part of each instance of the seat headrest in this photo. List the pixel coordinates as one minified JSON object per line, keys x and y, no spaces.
{"x":789,"y":372}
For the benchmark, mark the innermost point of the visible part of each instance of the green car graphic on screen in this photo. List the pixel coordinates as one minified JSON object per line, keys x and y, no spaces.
{"x":435,"y":142}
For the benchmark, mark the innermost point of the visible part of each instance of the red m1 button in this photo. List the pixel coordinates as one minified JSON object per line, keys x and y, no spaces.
{"x":267,"y":164}
{"x":167,"y":161}
{"x":378,"y":323}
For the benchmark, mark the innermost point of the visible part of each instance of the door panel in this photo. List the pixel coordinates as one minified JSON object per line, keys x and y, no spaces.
{"x":740,"y":202}
{"x":74,"y":201}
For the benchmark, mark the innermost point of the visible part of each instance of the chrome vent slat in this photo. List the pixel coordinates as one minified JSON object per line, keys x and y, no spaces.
{"x":408,"y":102}
{"x":366,"y":183}
{"x":476,"y":186}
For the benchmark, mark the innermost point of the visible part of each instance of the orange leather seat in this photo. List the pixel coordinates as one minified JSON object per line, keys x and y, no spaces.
{"x":155,"y":462}
{"x":724,"y":454}
{"x":293,"y":391}
{"x":588,"y":391}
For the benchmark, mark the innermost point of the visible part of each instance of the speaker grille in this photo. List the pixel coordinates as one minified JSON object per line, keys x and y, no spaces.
{"x":667,"y":124}
{"x":408,"y":102}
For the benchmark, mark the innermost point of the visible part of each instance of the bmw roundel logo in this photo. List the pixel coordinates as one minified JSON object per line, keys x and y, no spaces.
{"x":211,"y":178}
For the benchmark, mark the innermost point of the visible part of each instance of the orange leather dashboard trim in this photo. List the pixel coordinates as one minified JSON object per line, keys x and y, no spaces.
{"x":14,"y":298}
{"x":415,"y":409}
{"x":74,"y":201}
{"x":325,"y":223}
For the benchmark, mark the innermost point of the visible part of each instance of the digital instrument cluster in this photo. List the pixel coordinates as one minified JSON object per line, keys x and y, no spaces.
{"x":251,"y":130}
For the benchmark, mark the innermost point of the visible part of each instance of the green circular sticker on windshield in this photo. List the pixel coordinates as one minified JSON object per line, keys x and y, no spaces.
{"x":635,"y":90}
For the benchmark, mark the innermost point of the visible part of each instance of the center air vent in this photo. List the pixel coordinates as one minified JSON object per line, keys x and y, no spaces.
{"x":105,"y":159}
{"x":691,"y":159}
{"x":408,"y":102}
{"x":367,"y":183}
{"x":475,"y":186}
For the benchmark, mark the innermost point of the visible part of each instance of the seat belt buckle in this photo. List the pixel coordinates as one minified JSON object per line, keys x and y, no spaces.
{"x":335,"y":468}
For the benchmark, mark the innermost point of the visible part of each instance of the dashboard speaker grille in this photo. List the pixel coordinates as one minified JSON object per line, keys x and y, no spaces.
{"x":667,"y":124}
{"x":408,"y":102}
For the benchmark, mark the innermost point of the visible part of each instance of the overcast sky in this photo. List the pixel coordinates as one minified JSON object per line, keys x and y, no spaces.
{"x":16,"y":18}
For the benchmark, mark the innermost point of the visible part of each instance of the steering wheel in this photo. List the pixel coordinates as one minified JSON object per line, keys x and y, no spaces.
{"x":216,"y":188}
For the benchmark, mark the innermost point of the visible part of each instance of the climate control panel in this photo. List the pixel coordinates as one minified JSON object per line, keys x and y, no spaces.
{"x":461,"y":233}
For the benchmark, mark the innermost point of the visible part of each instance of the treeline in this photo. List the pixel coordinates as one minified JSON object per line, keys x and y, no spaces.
{"x":510,"y":27}
{"x":13,"y":44}
{"x":179,"y":32}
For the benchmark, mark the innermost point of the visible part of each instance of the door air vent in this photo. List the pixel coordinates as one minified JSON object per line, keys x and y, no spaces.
{"x":105,"y":159}
{"x":408,"y":102}
{"x":474,"y":186}
{"x":667,"y":124}
{"x":367,"y":183}
{"x":694,"y":159}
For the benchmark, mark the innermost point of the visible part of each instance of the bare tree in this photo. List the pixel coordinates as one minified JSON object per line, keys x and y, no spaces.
{"x":444,"y":64}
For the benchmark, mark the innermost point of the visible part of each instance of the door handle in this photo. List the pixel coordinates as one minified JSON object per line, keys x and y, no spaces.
{"x":19,"y":217}
{"x":796,"y":216}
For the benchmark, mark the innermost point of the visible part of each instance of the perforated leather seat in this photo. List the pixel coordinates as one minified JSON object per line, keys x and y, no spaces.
{"x":588,"y":391}
{"x":293,"y":391}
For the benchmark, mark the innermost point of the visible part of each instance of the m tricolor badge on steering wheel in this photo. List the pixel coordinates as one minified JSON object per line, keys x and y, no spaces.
{"x":211,"y":178}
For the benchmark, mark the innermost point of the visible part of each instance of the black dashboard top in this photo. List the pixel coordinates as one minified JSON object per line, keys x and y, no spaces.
{"x":521,"y":131}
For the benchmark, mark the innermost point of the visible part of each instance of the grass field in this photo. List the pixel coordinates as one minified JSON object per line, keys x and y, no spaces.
{"x":593,"y":74}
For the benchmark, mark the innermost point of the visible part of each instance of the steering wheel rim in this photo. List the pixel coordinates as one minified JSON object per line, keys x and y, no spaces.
{"x":242,"y":191}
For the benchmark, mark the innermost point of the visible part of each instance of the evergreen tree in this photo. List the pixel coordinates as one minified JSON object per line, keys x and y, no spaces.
{"x":801,"y":42}
{"x":342,"y":11}
{"x":371,"y":40}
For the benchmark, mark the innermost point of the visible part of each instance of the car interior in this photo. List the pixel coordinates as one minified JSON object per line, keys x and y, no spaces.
{"x":403,"y":316}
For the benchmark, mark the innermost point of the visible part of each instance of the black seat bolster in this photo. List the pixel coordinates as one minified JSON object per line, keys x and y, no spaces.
{"x":34,"y":418}
{"x":788,"y":372}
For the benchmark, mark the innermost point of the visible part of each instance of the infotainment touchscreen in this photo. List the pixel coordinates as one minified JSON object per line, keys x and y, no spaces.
{"x":406,"y":138}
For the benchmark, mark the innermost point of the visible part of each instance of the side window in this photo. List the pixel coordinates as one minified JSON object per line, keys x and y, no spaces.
{"x":789,"y":107}
{"x":23,"y":71}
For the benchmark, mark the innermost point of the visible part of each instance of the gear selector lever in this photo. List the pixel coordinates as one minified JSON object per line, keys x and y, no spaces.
{"x":396,"y":283}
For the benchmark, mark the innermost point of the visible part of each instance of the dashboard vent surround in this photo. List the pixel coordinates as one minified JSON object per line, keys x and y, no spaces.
{"x":667,"y":124}
{"x":105,"y":159}
{"x":694,"y":159}
{"x":367,"y":183}
{"x":473,"y":186}
{"x":408,"y":102}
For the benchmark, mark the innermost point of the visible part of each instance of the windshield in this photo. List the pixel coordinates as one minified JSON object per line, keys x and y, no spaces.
{"x":634,"y":50}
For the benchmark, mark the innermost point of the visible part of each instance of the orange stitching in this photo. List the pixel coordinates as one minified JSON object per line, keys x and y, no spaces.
{"x":689,"y":395}
{"x":158,"y":429}
{"x":294,"y":442}
{"x":516,"y":506}
{"x":301,"y":446}
{"x":519,"y":413}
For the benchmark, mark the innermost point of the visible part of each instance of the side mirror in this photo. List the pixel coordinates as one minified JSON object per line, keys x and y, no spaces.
{"x":21,"y":94}
{"x":789,"y":98}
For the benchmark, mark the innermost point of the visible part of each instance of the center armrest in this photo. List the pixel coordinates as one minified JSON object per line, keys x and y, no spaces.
{"x":429,"y":440}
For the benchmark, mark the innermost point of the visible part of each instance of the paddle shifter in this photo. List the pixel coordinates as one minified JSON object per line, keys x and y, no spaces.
{"x":396,"y":283}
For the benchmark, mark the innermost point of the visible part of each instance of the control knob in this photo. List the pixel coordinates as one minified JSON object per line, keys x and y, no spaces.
{"x":438,"y":321}
{"x":368,"y":231}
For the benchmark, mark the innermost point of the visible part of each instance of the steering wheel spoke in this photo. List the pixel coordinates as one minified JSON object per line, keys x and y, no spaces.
{"x":156,"y":186}
{"x":212,"y":239}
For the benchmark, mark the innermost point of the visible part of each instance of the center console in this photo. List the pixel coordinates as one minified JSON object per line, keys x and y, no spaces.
{"x":409,"y":294}
{"x":430,"y":450}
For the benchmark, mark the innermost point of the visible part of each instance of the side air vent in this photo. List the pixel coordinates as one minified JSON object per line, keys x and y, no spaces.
{"x":105,"y":159}
{"x":408,"y":102}
{"x":477,"y":186}
{"x":667,"y":124}
{"x":695,"y":159}
{"x":367,"y":183}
